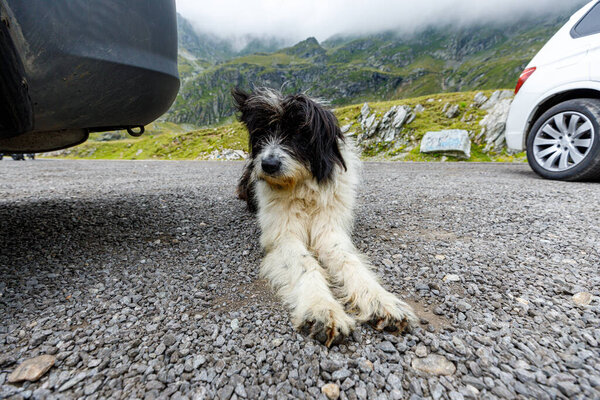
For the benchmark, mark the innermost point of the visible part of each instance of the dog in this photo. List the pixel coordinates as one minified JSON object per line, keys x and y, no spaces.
{"x":301,"y":179}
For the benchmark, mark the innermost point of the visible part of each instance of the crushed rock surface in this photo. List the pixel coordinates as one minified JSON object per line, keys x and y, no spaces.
{"x":141,"y":279}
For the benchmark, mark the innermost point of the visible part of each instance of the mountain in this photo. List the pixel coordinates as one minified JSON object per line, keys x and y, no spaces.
{"x":345,"y":70}
{"x":212,"y":49}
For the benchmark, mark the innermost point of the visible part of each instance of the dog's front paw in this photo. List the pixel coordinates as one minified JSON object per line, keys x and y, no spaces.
{"x":328,"y":326}
{"x":384,"y":311}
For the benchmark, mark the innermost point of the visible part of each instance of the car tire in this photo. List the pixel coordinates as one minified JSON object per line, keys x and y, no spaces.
{"x":564,"y":143}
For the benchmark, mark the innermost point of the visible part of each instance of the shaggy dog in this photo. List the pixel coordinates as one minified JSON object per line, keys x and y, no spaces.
{"x":301,"y":179}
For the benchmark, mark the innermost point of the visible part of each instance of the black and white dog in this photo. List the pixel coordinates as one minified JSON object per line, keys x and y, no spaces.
{"x":301,"y":178}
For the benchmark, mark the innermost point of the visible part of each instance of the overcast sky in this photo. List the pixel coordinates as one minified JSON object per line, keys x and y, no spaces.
{"x":298,"y":19}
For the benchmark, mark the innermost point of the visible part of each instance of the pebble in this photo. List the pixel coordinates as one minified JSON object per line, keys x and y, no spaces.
{"x":331,"y":365}
{"x":340,"y":374}
{"x":73,"y":381}
{"x":331,"y":390}
{"x":582,"y":298}
{"x":421,"y":351}
{"x":451,"y":278}
{"x":366,"y":366}
{"x":463,"y":306}
{"x":522,"y":301}
{"x":32,"y":369}
{"x":169,"y":340}
{"x":434,"y":364}
{"x":454,"y":395}
{"x":569,"y":389}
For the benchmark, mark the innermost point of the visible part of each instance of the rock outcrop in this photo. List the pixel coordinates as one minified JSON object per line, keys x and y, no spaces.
{"x":392,"y":130}
{"x":387,"y":129}
{"x":228,"y":154}
{"x":493,"y":125}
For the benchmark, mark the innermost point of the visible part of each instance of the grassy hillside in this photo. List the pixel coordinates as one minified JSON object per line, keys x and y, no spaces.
{"x":167,"y":141}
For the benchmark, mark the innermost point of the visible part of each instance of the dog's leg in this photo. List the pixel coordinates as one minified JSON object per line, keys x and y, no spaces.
{"x":301,"y":282}
{"x":245,"y":189}
{"x":359,"y":287}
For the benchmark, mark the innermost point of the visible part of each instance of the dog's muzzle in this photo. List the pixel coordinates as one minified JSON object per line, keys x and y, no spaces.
{"x":271,"y":165}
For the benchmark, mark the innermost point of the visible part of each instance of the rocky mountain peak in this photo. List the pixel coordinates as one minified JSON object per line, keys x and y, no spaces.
{"x":307,"y":48}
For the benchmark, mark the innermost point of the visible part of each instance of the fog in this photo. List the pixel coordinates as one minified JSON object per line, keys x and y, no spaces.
{"x":295,"y":20}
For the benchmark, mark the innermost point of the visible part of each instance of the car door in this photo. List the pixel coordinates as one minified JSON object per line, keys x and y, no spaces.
{"x":587,"y":31}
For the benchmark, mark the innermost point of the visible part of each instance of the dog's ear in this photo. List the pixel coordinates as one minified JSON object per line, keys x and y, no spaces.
{"x":240,"y":98}
{"x":324,"y":139}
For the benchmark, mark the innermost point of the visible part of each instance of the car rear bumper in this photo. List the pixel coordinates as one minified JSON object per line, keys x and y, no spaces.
{"x":521,"y":109}
{"x":91,"y":65}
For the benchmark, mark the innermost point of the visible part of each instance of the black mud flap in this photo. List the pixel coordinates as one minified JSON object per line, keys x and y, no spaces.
{"x":16,"y":109}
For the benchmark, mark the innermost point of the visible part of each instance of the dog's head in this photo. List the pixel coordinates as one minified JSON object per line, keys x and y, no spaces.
{"x":292,"y":138}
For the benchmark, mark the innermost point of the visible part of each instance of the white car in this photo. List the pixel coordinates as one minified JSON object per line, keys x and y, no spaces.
{"x":555,"y":115}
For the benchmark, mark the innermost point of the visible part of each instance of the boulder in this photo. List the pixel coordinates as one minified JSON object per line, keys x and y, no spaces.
{"x":369,"y":126}
{"x":393,"y":121}
{"x":493,"y":125}
{"x":496,"y":97}
{"x":453,"y":142}
{"x":402,"y":115}
{"x":453,"y":111}
{"x":365,"y":111}
{"x":480,"y":99}
{"x":228,"y":154}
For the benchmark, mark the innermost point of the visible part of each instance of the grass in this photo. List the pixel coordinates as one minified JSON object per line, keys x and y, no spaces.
{"x":193,"y":145}
{"x":169,"y":141}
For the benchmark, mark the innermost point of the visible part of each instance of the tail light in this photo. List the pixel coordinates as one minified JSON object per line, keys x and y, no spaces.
{"x":523,"y":78}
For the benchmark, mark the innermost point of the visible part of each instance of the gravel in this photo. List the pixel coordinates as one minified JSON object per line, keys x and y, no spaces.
{"x":141,"y":278}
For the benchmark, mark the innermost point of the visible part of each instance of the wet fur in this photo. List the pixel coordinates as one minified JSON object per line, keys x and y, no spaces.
{"x":306,"y":215}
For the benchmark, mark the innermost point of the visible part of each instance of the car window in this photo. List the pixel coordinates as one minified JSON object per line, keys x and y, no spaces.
{"x":589,"y":25}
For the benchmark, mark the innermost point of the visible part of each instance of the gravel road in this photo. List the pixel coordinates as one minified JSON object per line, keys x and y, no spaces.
{"x":140,"y":279}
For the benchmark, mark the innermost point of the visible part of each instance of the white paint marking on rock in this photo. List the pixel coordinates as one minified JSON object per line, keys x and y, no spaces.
{"x":452,"y":142}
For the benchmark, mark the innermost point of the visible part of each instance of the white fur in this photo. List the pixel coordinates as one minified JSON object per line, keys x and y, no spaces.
{"x":306,"y":230}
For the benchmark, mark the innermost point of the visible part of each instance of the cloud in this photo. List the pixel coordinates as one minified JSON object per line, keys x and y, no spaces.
{"x":298,"y":19}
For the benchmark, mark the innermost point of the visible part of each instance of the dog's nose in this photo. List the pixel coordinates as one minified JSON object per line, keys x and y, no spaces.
{"x":271,"y":165}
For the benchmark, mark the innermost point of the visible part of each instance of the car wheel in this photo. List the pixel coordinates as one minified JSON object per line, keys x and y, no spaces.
{"x":564,"y":143}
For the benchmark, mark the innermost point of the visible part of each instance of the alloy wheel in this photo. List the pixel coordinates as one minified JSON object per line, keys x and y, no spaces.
{"x":563,"y":141}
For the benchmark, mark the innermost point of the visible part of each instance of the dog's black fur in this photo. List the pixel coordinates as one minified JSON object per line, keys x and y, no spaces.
{"x":304,"y":127}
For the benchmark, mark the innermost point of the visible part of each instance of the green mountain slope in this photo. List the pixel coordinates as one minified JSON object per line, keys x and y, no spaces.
{"x":370,"y":68}
{"x":165,"y":141}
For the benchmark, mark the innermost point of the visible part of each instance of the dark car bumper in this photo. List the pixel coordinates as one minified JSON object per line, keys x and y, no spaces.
{"x":77,"y":66}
